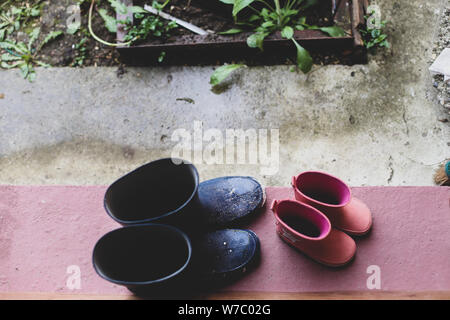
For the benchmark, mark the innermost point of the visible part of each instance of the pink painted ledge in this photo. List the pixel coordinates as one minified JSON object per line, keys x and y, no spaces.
{"x":44,"y":230}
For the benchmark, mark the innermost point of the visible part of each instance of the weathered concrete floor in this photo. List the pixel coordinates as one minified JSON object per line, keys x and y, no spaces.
{"x":374,"y":124}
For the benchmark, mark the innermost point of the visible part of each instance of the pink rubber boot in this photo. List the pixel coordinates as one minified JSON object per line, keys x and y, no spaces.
{"x":333,"y":197}
{"x":308,"y":230}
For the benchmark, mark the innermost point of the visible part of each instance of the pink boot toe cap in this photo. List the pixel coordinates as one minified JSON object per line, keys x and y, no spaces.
{"x":337,"y":250}
{"x":355,"y":218}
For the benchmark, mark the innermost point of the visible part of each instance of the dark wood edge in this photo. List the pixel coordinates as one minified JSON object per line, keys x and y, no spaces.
{"x":366,"y":5}
{"x":357,"y":21}
{"x":350,"y":295}
{"x":301,"y":36}
{"x":342,"y":16}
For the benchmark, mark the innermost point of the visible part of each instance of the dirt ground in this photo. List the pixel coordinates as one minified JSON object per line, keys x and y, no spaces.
{"x":80,"y":49}
{"x":63,"y":52}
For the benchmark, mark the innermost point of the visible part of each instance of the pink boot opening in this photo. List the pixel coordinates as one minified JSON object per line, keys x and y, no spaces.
{"x":333,"y":197}
{"x":309,"y":231}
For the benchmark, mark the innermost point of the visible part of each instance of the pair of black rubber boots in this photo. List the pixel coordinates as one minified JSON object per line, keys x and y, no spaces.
{"x":179,"y":235}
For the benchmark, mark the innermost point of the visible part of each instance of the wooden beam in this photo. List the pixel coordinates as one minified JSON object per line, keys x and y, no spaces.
{"x":365,"y":5}
{"x":342,"y":16}
{"x":366,"y":295}
{"x":357,"y":21}
{"x":121,"y":33}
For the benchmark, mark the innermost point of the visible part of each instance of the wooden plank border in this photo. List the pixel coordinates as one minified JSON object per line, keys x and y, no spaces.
{"x":374,"y":295}
{"x":347,"y":16}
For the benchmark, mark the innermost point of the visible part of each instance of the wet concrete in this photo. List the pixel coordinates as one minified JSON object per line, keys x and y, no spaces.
{"x":375,"y":124}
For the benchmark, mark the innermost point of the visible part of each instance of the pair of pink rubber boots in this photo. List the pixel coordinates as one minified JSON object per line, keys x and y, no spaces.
{"x":318,"y":222}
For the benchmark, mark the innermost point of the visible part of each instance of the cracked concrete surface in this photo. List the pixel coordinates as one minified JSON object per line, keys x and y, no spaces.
{"x":374,"y":124}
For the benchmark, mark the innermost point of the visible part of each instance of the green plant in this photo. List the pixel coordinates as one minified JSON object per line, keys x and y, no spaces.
{"x":80,"y":48}
{"x":223,"y":72}
{"x":12,"y":19}
{"x":8,"y":24}
{"x":146,"y":25}
{"x":161,"y":56}
{"x":81,"y":52}
{"x":27,"y":11}
{"x":23,"y":56}
{"x":272,"y":18}
{"x":119,"y":7}
{"x":374,"y":37}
